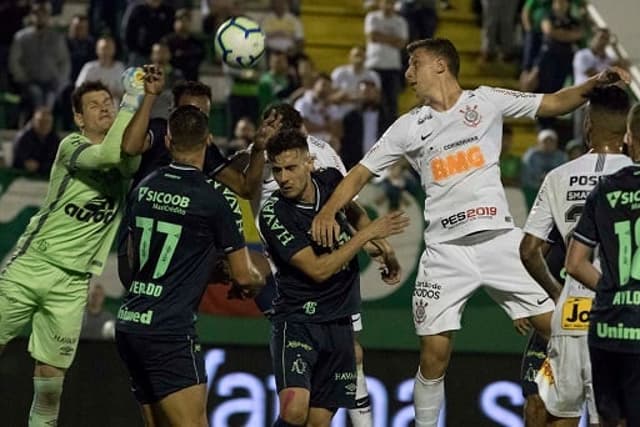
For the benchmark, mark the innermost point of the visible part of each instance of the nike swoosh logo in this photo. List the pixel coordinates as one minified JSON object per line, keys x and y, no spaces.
{"x":267,"y":181}
{"x":542,"y":301}
{"x":423,"y":137}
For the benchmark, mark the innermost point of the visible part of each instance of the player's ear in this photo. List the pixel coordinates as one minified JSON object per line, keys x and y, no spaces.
{"x":440,"y":65}
{"x":78,"y":119}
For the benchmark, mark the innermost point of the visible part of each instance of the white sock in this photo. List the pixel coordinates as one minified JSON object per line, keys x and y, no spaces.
{"x":46,"y":401}
{"x":361,"y":416}
{"x":428,"y":396}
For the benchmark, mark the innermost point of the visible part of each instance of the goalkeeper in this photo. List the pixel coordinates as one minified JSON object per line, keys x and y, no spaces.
{"x":67,"y":240}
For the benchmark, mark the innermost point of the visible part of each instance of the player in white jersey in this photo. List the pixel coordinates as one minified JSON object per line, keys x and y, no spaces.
{"x":564,"y":381}
{"x":453,"y":142}
{"x":324,"y":157}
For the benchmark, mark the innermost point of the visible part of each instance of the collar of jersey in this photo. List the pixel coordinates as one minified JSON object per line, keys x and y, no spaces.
{"x":316,"y":205}
{"x":182,"y":166}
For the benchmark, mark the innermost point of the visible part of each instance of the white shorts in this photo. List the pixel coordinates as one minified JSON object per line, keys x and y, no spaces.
{"x":564,"y":380}
{"x":450,"y":273}
{"x":356,"y":322}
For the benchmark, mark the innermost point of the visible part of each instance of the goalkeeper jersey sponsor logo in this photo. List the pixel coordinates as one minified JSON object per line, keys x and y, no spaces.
{"x":98,"y":209}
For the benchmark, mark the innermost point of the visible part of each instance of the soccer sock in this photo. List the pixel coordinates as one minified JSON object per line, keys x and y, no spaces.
{"x":428,"y":396}
{"x":46,"y":401}
{"x":361,"y":415}
{"x":282,"y":423}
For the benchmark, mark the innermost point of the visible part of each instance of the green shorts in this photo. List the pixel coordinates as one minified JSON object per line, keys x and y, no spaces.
{"x":55,"y":298}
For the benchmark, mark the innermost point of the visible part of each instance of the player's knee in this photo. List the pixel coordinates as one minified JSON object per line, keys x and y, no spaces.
{"x":294,"y":411}
{"x":534,"y":411}
{"x":47,"y":371}
{"x":433,"y":362}
{"x":358,"y":351}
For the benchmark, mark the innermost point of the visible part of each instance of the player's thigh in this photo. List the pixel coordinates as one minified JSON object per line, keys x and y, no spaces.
{"x":333,"y":382}
{"x":561,"y":382}
{"x":447,"y":277}
{"x":294,"y":353}
{"x":185,"y":407}
{"x":607,"y":375}
{"x":319,"y":417}
{"x":507,"y":281}
{"x":148,"y":417}
{"x":58,"y":321}
{"x":19,"y":295}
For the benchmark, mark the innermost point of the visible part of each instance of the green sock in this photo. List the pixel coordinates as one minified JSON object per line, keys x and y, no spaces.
{"x":46,"y":401}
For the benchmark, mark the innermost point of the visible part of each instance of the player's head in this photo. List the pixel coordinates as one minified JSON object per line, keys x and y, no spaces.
{"x":600,"y":40}
{"x":93,"y":107}
{"x":357,"y":56}
{"x":291,"y":163}
{"x":290,"y":118}
{"x":632,"y":137}
{"x":605,"y":121}
{"x":192,"y":93}
{"x":430,"y":61}
{"x":187,"y":133}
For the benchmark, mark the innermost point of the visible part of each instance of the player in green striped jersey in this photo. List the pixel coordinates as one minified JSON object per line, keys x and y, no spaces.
{"x":67,"y":241}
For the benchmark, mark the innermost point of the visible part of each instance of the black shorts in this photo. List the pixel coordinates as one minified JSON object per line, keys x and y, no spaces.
{"x":318,"y":357}
{"x":616,"y":384}
{"x":532,"y":360}
{"x":159,"y":365}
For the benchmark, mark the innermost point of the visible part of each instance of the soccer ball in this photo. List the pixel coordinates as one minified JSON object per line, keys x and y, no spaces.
{"x":240,"y":42}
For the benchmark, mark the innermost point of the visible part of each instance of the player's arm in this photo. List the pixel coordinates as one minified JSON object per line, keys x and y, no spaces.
{"x":321,"y":267}
{"x":242,"y":269}
{"x":246,"y":183}
{"x":532,"y":251}
{"x":136,"y":139}
{"x":568,"y":99}
{"x":579,"y":265}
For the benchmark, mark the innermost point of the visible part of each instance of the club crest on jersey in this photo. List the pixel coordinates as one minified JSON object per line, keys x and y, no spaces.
{"x":472,"y":117}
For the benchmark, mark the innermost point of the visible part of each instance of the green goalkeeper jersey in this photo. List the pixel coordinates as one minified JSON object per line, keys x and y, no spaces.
{"x":78,"y":220}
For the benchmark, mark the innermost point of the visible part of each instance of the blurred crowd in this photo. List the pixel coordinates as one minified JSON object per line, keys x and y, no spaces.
{"x":549,"y":42}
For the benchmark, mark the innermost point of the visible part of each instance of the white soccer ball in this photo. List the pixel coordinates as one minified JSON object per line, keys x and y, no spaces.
{"x":240,"y":42}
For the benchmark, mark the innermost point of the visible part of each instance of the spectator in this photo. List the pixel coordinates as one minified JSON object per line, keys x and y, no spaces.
{"x":36,"y":145}
{"x":574,"y":149}
{"x":105,"y":18}
{"x":97,"y":323}
{"x":539,"y":160}
{"x":243,"y":134}
{"x":276,"y":84}
{"x":346,"y":79}
{"x":81,"y":45}
{"x":39,"y":60}
{"x":282,"y":29}
{"x":12,"y":13}
{"x":144,"y":24}
{"x":105,"y":69}
{"x":363,"y":125}
{"x":187,"y":52}
{"x":387,"y":33}
{"x":422,"y":17}
{"x":394,"y":183}
{"x":587,"y":62}
{"x":510,"y":164}
{"x":306,"y":75}
{"x":321,"y":118}
{"x":498,"y":29}
{"x":161,"y":57}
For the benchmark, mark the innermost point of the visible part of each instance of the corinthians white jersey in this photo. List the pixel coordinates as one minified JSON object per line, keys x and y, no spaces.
{"x":456,"y":152}
{"x":324,"y":157}
{"x":560,"y":202}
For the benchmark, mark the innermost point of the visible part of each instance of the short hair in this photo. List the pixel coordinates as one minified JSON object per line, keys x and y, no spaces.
{"x":633,"y":120}
{"x":190,"y":88}
{"x":289,"y":116}
{"x":188,"y":127}
{"x":288,"y":139}
{"x":608,"y":108}
{"x":84,"y":88}
{"x":443,"y":48}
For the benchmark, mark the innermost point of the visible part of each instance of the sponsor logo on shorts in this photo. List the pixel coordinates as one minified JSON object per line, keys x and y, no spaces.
{"x":299,"y":344}
{"x":345,"y":376}
{"x":309,"y":308}
{"x":351,"y":389}
{"x":420,"y":311}
{"x":427,"y":289}
{"x":299,"y":366}
{"x":463,"y":217}
{"x":64,"y":340}
{"x":547,"y":372}
{"x":66,"y":350}
{"x":98,"y":209}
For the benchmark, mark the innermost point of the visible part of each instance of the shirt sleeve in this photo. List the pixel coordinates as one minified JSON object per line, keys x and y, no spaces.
{"x":78,"y":153}
{"x":223,"y":222}
{"x":540,"y":221}
{"x":390,"y":147}
{"x":282,"y":236}
{"x":512,"y":103}
{"x":214,"y":161}
{"x":586,"y":231}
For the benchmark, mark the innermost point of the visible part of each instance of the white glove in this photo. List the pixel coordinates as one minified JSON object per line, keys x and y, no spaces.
{"x":133,"y":83}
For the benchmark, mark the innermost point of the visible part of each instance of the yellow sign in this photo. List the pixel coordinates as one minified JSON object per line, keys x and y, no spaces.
{"x":575,"y":313}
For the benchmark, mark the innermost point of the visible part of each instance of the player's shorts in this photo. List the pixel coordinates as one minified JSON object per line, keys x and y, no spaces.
{"x":159,"y":365}
{"x":616,"y":383}
{"x":564,"y":381}
{"x":318,"y":357}
{"x":55,"y":298}
{"x":532,"y":360}
{"x":449,"y":274}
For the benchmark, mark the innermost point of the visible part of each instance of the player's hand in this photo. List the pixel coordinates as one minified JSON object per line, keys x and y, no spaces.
{"x":133,"y":83}
{"x":523,"y":326}
{"x":153,"y":80}
{"x":390,"y":271}
{"x":324,"y":229}
{"x":613,"y":75}
{"x":267,"y":130}
{"x":387,"y":225}
{"x":242,"y":292}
